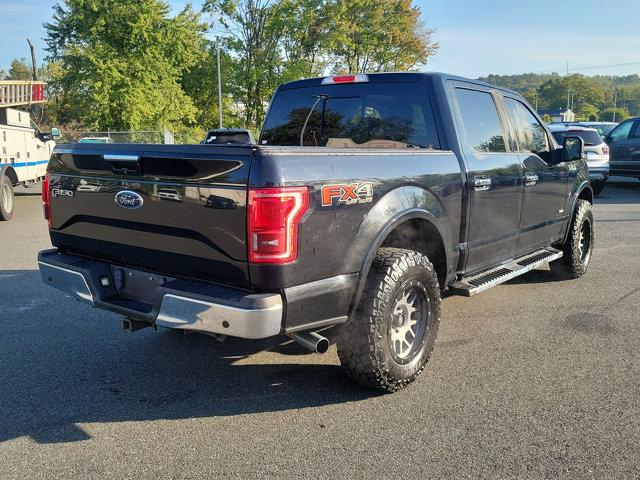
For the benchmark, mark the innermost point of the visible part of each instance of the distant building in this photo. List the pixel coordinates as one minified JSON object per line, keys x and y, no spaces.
{"x":559,"y":115}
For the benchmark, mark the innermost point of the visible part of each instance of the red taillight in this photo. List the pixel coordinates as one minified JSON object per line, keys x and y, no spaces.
{"x":46,"y":199}
{"x":273,"y":216}
{"x":605,"y":150}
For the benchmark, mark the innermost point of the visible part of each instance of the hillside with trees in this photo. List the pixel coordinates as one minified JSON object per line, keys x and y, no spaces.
{"x":591,"y":98}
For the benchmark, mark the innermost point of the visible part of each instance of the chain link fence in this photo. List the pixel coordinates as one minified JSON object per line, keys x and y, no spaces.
{"x":137,"y":136}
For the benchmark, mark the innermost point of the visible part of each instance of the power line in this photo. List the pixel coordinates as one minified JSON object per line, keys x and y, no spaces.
{"x":627,"y":64}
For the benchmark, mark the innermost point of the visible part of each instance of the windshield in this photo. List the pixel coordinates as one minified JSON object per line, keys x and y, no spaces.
{"x":590,"y":137}
{"x":361,"y":115}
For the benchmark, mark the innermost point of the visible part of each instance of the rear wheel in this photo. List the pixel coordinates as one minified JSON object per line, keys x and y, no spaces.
{"x":6,"y":198}
{"x":597,"y":188}
{"x":387,"y":343}
{"x":579,"y":245}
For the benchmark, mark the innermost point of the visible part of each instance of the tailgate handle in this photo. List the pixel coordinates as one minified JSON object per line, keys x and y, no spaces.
{"x":123,"y":164}
{"x":112,"y":157}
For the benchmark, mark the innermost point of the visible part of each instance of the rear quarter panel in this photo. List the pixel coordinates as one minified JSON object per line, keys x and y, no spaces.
{"x":333,"y":240}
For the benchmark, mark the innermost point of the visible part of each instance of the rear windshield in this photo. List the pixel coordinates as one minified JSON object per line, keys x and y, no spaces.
{"x":590,"y":137}
{"x":360,"y":115}
{"x":603,"y":129}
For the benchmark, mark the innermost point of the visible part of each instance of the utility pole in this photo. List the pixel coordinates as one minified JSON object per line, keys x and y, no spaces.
{"x":34,"y":69}
{"x":573,"y":97}
{"x":219,"y":82}
{"x":615,"y":104}
{"x":568,"y":99}
{"x":537,"y":96}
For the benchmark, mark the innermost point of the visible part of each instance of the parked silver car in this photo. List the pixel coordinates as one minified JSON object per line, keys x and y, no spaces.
{"x":595,"y":148}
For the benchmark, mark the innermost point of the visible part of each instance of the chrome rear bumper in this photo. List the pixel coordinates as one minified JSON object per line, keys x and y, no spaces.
{"x":168,"y":302}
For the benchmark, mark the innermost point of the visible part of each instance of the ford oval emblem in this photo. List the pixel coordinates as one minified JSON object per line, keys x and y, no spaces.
{"x":128,"y":199}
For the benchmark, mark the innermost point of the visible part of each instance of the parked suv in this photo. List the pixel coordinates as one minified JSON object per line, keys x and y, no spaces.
{"x":365,"y":197}
{"x":596,"y":150}
{"x":624,"y":143}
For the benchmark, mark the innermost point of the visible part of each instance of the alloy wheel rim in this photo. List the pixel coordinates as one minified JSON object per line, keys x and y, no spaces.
{"x":7,"y":199}
{"x":409,"y":319}
{"x":584,"y":245}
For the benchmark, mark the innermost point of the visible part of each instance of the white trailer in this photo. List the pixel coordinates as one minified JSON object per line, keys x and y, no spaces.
{"x":24,"y":149}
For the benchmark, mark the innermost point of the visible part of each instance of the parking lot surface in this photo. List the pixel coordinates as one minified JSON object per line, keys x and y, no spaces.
{"x":536,"y":378}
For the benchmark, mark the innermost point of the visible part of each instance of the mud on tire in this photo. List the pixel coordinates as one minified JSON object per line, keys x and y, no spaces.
{"x":387,"y":343}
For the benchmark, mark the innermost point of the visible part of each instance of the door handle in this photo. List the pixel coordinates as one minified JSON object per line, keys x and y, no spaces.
{"x":530,"y":179}
{"x":481,"y":184}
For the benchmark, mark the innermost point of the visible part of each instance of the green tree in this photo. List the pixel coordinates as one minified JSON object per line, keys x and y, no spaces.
{"x":201,"y":85}
{"x":19,"y":70}
{"x":306,"y":33}
{"x":621,"y":114}
{"x":253,"y":32}
{"x":121,"y":62}
{"x":377,"y":35}
{"x":587,"y":112}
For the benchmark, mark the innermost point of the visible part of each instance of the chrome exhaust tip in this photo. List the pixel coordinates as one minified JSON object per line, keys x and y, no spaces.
{"x":312,"y":341}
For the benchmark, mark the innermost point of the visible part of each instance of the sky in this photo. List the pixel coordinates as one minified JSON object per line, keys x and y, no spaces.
{"x":476,"y":37}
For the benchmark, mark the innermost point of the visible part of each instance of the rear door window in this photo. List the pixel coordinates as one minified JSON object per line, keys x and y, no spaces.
{"x":530,"y":134}
{"x":622,"y":131}
{"x":362,"y":115}
{"x":480,"y":119}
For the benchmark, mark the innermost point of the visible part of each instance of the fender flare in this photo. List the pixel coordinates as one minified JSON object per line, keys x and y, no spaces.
{"x":437,"y":217}
{"x":10,"y":172}
{"x":583,"y":186}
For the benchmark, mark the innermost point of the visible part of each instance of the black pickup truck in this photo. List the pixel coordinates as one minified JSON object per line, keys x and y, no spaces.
{"x":365,"y":197}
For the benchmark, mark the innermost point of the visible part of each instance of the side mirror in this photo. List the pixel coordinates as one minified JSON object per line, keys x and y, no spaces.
{"x":55,"y":132}
{"x":572,"y":149}
{"x":608,"y":139}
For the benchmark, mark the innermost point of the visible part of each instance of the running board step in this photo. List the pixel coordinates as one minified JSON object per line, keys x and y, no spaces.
{"x":482,"y":281}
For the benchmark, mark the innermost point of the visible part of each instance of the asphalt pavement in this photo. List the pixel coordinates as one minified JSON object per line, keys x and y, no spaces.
{"x":536,"y":378}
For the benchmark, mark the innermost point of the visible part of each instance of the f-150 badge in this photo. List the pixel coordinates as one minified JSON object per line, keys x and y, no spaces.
{"x":347,"y":193}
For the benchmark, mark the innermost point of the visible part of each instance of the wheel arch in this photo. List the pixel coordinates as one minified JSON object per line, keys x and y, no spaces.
{"x":583,"y":192}
{"x":414,"y":229}
{"x":10,"y":172}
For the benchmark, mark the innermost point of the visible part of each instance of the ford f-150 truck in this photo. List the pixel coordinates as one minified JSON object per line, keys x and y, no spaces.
{"x":365,"y":197}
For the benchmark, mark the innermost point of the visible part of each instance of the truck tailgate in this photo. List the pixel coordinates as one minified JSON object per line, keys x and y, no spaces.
{"x":179,"y":209}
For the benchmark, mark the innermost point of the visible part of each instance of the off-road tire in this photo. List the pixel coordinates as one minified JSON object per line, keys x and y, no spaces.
{"x":364,"y":343}
{"x":575,"y":260}
{"x":597,"y":188}
{"x":7,"y":198}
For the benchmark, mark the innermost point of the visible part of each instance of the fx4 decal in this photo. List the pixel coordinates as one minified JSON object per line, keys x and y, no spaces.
{"x":347,"y":193}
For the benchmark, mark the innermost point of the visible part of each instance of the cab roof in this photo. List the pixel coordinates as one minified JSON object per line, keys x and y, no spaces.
{"x":395,"y":77}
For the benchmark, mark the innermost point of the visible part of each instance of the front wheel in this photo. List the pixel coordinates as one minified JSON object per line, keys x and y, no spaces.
{"x":597,"y":188}
{"x":387,"y":343}
{"x":578,"y":247}
{"x":6,"y":198}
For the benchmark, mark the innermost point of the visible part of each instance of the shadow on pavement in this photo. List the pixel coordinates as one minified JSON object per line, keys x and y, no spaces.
{"x":620,"y":190}
{"x":64,"y":363}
